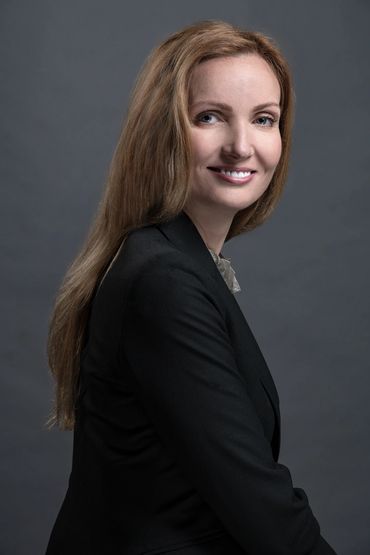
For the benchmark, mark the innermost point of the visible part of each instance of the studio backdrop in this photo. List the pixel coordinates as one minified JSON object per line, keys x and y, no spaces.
{"x":67,"y":69}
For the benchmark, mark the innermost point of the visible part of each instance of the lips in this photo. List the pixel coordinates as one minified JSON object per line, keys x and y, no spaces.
{"x":237,"y":176}
{"x":230,"y":169}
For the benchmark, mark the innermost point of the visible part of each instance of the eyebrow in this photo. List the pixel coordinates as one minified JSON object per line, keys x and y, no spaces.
{"x":228,"y":108}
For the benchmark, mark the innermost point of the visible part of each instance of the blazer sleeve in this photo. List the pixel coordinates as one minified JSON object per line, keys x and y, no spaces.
{"x":177,"y":344}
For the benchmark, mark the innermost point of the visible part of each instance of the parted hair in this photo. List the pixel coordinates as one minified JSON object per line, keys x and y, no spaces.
{"x":148,"y":180}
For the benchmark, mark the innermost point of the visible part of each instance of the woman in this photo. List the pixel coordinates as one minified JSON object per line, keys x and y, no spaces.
{"x":175,"y":413}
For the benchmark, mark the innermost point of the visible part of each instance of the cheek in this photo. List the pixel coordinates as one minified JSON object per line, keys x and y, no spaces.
{"x":202,"y":146}
{"x":273,"y":150}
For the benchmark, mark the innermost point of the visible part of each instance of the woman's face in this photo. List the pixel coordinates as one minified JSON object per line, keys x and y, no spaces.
{"x":232,"y":131}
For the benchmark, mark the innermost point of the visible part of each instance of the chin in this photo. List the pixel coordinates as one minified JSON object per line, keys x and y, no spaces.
{"x":238,"y":205}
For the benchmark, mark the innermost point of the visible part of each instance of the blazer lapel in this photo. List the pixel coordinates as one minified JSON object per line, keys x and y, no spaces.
{"x":183,"y":233}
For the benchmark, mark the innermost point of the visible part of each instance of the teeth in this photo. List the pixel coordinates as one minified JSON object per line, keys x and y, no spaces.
{"x":235,"y":174}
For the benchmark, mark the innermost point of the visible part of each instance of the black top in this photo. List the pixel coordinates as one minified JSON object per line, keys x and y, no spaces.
{"x":177,"y":423}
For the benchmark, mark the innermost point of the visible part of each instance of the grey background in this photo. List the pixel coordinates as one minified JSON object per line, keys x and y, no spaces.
{"x":66,"y":72}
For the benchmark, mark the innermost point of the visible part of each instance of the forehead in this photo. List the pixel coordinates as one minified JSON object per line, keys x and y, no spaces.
{"x":234,"y":78}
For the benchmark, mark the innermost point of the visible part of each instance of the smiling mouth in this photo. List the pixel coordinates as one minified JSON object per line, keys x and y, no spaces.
{"x":233,"y":173}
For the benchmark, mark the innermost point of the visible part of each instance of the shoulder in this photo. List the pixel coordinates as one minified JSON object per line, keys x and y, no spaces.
{"x":149,"y":267}
{"x":161,"y":277}
{"x":147,"y":257}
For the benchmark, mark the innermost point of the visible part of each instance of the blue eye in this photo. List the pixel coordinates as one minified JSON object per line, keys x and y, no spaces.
{"x":204,"y":115}
{"x":267,"y":121}
{"x":268,"y":118}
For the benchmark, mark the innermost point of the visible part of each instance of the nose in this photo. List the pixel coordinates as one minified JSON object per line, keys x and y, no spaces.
{"x":239,"y":142}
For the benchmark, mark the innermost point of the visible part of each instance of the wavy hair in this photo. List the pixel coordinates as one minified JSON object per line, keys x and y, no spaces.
{"x":148,"y":180}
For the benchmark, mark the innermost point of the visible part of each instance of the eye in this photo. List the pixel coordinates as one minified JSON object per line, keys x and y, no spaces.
{"x":270,"y":119}
{"x":200,"y":117}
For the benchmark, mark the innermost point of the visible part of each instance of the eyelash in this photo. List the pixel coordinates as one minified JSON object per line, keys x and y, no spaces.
{"x":269,"y":117}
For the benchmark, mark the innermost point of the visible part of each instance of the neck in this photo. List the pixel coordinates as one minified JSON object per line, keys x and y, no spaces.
{"x":212,"y":225}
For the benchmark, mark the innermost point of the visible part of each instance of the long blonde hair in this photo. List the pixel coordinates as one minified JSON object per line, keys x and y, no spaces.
{"x":148,"y":180}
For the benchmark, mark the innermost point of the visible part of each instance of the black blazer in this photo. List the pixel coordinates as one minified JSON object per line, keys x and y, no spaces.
{"x":177,"y":422}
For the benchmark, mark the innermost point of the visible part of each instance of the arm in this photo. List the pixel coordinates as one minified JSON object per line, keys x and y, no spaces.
{"x":179,"y":350}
